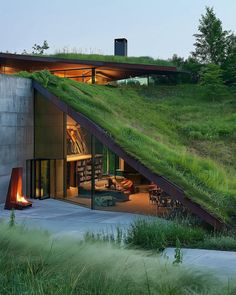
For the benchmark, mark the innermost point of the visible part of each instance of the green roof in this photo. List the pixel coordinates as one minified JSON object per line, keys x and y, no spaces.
{"x":145,"y":60}
{"x":171,"y":129}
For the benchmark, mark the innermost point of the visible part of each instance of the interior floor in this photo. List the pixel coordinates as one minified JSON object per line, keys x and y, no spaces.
{"x":138,"y":203}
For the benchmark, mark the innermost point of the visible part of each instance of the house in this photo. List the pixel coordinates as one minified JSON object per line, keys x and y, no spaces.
{"x":65,"y":155}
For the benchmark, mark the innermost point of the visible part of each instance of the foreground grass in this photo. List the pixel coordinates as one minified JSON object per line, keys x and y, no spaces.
{"x":171,"y":130}
{"x":156,"y":234}
{"x":32,"y":263}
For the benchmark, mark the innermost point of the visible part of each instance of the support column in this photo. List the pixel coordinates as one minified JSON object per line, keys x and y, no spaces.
{"x":93,"y":173}
{"x":40,"y":178}
{"x":64,"y":157}
{"x":49,"y":178}
{"x":35,"y":184}
{"x":93,"y":76}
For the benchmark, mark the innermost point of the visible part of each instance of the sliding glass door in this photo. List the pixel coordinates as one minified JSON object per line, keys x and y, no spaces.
{"x":45,"y":178}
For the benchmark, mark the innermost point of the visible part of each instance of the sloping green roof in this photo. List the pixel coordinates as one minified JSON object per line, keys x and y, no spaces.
{"x":171,"y":130}
{"x":145,"y":60}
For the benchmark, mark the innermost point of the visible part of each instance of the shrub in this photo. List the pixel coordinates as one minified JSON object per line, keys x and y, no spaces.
{"x":155,"y":234}
{"x":211,"y":80}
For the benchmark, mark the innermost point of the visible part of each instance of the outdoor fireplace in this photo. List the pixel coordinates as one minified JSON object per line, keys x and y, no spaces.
{"x":15,"y":198}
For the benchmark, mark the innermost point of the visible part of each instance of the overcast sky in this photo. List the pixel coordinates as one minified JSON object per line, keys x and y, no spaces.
{"x":157,"y":28}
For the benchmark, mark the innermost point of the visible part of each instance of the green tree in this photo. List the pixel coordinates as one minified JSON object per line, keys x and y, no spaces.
{"x":177,"y":60}
{"x":193,"y":66}
{"x":212,"y":41}
{"x":229,"y":64}
{"x":229,"y":69}
{"x":38,"y":49}
{"x":190,"y":69}
{"x":212,"y":82}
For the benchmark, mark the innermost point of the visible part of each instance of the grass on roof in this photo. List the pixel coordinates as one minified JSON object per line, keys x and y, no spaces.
{"x":172,"y":130}
{"x":114,"y":58}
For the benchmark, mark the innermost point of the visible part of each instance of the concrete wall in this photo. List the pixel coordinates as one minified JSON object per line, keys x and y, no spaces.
{"x":16,"y":127}
{"x":50,"y":130}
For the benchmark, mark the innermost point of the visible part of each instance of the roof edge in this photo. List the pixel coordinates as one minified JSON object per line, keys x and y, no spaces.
{"x":96,"y":63}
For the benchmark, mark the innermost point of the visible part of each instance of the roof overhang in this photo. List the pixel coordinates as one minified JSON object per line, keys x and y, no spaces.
{"x":79,"y":70}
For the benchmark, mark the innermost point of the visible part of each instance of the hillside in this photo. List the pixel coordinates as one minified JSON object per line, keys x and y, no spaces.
{"x":173,"y":130}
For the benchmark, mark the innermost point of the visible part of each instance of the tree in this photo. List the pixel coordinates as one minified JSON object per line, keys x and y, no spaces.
{"x":37,"y":49}
{"x":193,"y":66}
{"x":177,"y":60}
{"x":229,"y":69}
{"x":229,"y":65}
{"x":212,"y":81}
{"x":190,"y":69}
{"x":212,"y":42}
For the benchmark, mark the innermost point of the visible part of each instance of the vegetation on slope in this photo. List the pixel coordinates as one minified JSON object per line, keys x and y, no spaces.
{"x":33,"y":263}
{"x":172,"y":130}
{"x":114,"y":58}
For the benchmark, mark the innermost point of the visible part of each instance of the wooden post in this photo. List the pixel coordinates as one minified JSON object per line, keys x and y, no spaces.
{"x":93,"y":173}
{"x":93,"y":76}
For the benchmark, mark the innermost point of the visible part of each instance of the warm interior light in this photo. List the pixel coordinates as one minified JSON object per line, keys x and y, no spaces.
{"x":8,"y":70}
{"x":90,"y":80}
{"x":39,"y":192}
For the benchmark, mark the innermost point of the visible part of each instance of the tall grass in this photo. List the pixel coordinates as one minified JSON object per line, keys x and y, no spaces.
{"x":158,"y":126}
{"x":32,"y":263}
{"x":156,"y":234}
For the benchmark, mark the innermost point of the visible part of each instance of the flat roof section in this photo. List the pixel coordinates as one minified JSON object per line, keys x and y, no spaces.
{"x":80,"y":70}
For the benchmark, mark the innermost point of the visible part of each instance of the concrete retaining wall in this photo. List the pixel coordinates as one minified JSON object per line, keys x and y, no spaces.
{"x":16,"y":127}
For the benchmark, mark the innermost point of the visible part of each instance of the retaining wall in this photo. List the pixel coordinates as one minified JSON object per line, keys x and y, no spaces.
{"x":16,"y":128}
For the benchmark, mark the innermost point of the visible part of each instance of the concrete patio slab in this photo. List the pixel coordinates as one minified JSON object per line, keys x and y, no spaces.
{"x":63,"y":218}
{"x":221,"y":263}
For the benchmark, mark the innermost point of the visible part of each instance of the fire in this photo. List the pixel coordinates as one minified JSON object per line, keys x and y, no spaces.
{"x":21,"y":199}
{"x":15,"y":198}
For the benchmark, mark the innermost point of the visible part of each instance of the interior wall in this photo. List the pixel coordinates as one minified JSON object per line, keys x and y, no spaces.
{"x":16,"y":128}
{"x":59,"y":185}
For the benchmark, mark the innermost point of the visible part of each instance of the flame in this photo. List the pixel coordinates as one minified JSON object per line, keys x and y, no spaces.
{"x":21,"y":199}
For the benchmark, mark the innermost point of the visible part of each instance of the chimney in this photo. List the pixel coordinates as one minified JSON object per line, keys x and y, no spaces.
{"x":120,"y":47}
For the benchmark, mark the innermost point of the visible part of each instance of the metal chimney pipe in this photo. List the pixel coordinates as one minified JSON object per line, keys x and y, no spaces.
{"x":121,"y":47}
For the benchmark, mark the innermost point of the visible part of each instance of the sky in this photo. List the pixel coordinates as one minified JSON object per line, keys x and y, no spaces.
{"x":157,"y":28}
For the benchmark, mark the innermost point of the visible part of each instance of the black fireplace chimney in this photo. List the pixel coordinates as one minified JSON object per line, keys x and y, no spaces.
{"x":120,"y":46}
